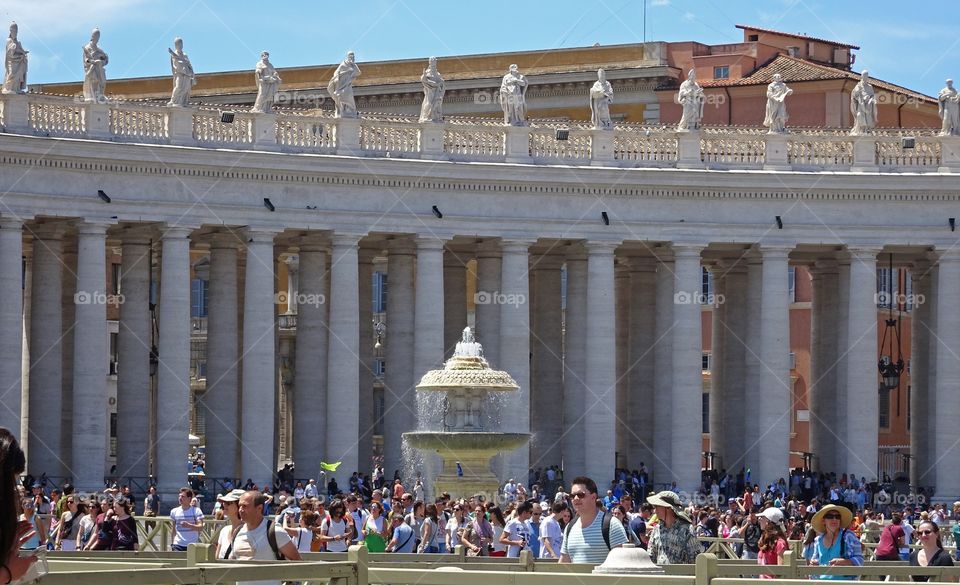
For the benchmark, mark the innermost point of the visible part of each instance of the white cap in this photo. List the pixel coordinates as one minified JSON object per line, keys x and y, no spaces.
{"x":773,"y":515}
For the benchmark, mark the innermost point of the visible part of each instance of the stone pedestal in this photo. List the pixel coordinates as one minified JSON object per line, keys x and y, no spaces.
{"x":949,"y":154}
{"x":265,"y":131}
{"x":348,"y":136}
{"x":775,"y":157}
{"x":864,"y":155}
{"x":601,"y":147}
{"x":97,"y":118}
{"x":180,"y":125}
{"x":517,"y":144}
{"x":688,"y":150}
{"x":16,"y":113}
{"x":431,"y":140}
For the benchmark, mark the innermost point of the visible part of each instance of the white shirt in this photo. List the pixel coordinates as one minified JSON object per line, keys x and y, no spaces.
{"x":515,"y":530}
{"x":253,"y":545}
{"x":303,"y":538}
{"x":311,"y":490}
{"x":550,"y":530}
{"x":185,"y":536}
{"x":333,"y":528}
{"x":908,"y":532}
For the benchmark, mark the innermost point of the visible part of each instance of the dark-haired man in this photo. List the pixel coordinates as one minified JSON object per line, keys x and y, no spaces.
{"x":584,"y":541}
{"x":187,"y":521}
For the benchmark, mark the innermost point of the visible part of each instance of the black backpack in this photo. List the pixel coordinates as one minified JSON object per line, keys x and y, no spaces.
{"x":604,"y":528}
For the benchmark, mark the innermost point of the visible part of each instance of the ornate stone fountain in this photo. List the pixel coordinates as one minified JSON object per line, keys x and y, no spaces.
{"x":465,"y":443}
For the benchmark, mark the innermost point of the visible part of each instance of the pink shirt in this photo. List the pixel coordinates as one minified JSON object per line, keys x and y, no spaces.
{"x":771,"y":557}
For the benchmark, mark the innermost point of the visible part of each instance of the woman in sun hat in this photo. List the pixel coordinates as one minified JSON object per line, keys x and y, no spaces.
{"x":835,"y":545}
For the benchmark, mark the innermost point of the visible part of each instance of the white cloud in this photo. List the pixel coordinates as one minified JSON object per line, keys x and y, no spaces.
{"x":50,"y":19}
{"x":660,"y":3}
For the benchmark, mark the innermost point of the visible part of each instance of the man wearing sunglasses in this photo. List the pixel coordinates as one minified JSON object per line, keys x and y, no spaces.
{"x":584,"y":540}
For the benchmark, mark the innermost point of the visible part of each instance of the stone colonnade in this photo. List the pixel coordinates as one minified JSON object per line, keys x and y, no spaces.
{"x":604,"y":338}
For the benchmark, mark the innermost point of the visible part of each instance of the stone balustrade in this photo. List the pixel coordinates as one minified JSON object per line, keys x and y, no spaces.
{"x":484,"y":139}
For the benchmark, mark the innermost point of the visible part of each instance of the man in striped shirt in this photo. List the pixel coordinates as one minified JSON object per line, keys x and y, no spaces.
{"x":583,"y":541}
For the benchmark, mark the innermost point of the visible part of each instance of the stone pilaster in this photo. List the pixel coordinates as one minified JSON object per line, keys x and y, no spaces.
{"x":640,"y":402}
{"x":487,"y":317}
{"x":575,"y":364}
{"x":947,"y":445}
{"x":777,"y":398}
{"x":600,"y":421}
{"x":663,"y":369}
{"x":399,"y":381}
{"x":687,"y":377}
{"x":365,"y":410}
{"x":920,"y":390}
{"x":454,"y":300}
{"x":546,"y":394}
{"x":862,"y":381}
{"x":11,"y":322}
{"x":823,"y":366}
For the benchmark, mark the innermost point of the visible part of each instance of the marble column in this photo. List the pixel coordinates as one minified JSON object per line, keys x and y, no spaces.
{"x":777,"y":398}
{"x":823,"y":366}
{"x":718,"y":361}
{"x":734,"y":361}
{"x":310,"y":382}
{"x":68,"y":311}
{"x":622,"y":343}
{"x":640,"y":401}
{"x":343,"y":367}
{"x":454,"y":300}
{"x":365,"y":410}
{"x":11,"y":322}
{"x":487,"y":318}
{"x":840,"y":400}
{"x":600,"y":420}
{"x":920,"y":390}
{"x":222,"y":396}
{"x":752,"y":391}
{"x":862,"y":380}
{"x":399,"y":394}
{"x":259,"y":369}
{"x":946,"y":447}
{"x":575,"y":365}
{"x":173,"y":371}
{"x":686,"y":446}
{"x":428,"y":350}
{"x":45,"y":376}
{"x":663,"y":370}
{"x":27,"y":296}
{"x":930,"y":415}
{"x":89,"y":444}
{"x":546,"y":394}
{"x":133,"y":354}
{"x":515,"y":349}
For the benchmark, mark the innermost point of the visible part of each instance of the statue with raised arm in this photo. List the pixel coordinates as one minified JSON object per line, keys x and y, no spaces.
{"x":341,"y":87}
{"x":776,"y":116}
{"x":183,"y":76}
{"x":94,"y":69}
{"x":863,"y":106}
{"x":15,"y":64}
{"x":433,"y":87}
{"x":949,"y":110}
{"x":268,"y":82}
{"x":601,"y":96}
{"x":513,"y":97}
{"x":691,"y":98}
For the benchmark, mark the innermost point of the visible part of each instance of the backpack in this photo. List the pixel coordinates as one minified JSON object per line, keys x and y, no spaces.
{"x":604,"y":527}
{"x":271,"y":540}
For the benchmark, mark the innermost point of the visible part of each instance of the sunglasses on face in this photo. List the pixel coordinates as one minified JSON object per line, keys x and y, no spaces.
{"x":579,"y":495}
{"x":832,"y":517}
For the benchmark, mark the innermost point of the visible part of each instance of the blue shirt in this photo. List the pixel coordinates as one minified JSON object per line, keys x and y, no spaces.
{"x":823,"y":555}
{"x":405,"y":540}
{"x":534,"y":544}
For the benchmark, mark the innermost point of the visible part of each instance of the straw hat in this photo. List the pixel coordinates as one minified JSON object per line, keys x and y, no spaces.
{"x":846,"y":516}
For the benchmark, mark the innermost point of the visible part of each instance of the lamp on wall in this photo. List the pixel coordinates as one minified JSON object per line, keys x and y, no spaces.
{"x":779,"y":223}
{"x":268,"y":204}
{"x":890,"y":370}
{"x":605,"y":218}
{"x":103,"y":196}
{"x":437,"y":212}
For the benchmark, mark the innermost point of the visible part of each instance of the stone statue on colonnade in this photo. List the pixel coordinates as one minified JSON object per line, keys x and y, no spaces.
{"x":776,"y":116}
{"x":433,"y":87}
{"x":513,"y":97}
{"x":183,"y":76}
{"x":15,"y":64}
{"x":341,"y":87}
{"x":863,"y":106}
{"x":94,"y":69}
{"x":949,"y":110}
{"x":692,"y":98}
{"x":268,"y":82}
{"x":601,"y":96}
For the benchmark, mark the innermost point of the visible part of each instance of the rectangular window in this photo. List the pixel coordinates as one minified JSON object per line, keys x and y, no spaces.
{"x":705,"y":361}
{"x":886,"y":287}
{"x":114,"y":353}
{"x":198,"y":297}
{"x":908,"y":290}
{"x":909,"y":390}
{"x":379,"y":292}
{"x":705,"y":400}
{"x":721,"y":72}
{"x":116,"y":273}
{"x":884,"y":409}
{"x":706,"y":282}
{"x":793,"y":361}
{"x":792,"y":284}
{"x":379,"y":368}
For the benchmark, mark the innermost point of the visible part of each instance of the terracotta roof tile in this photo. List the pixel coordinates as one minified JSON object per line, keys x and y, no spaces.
{"x":797,"y":36}
{"x":795,"y":70}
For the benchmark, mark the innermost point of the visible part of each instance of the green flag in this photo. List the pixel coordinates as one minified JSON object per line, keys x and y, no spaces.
{"x":330,"y":466}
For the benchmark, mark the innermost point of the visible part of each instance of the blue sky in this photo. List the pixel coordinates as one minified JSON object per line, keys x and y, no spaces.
{"x":918,"y":49}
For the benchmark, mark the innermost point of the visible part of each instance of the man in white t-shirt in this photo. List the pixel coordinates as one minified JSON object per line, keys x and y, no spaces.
{"x":187,"y":521}
{"x":551,"y":536}
{"x":515,"y":534}
{"x":253,"y":543}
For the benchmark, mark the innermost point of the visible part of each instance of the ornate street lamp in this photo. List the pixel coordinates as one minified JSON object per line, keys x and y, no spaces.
{"x":889,"y":370}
